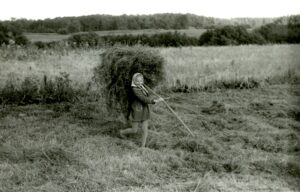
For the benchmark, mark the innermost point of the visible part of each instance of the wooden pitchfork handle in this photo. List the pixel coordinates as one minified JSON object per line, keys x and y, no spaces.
{"x":168,"y":106}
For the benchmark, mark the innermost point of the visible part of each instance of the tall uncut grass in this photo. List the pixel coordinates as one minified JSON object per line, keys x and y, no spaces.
{"x":192,"y":67}
{"x":200,"y":66}
{"x":17,"y":64}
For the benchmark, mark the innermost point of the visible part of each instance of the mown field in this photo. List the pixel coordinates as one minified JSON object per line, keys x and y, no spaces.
{"x":47,"y":37}
{"x":246,"y":138}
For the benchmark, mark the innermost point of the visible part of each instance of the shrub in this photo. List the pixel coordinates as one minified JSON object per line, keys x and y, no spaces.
{"x":274,"y":33}
{"x":168,"y":39}
{"x":21,"y":40}
{"x":48,"y":45}
{"x":40,"y":45}
{"x":90,"y":39}
{"x":59,"y":90}
{"x":4,"y":36}
{"x":8,"y":35}
{"x":230,"y":35}
{"x":64,"y":90}
{"x":115,"y":72}
{"x":294,"y":29}
{"x":10,"y":93}
{"x":63,"y":31}
{"x":30,"y":90}
{"x":33,"y":90}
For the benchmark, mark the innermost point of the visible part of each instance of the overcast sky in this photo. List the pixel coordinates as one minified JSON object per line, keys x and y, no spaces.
{"x":41,"y":9}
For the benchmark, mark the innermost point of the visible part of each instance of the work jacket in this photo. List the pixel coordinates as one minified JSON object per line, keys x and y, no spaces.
{"x":139,"y":106}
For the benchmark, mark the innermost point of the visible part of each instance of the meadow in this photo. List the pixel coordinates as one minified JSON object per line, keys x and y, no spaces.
{"x":246,"y":136}
{"x":187,"y":67}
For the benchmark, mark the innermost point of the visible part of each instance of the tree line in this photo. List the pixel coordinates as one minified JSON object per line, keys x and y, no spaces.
{"x":287,"y":31}
{"x":64,"y":25}
{"x":280,"y":31}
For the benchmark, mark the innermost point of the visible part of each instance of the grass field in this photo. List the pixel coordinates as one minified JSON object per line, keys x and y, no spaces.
{"x":245,"y":139}
{"x":194,"y":67}
{"x":46,"y":37}
{"x":201,"y":66}
{"x":249,"y":141}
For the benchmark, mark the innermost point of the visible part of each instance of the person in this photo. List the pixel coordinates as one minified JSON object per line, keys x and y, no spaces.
{"x":140,"y":112}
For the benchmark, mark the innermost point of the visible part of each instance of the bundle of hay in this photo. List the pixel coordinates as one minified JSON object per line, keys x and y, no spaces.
{"x":115,"y":72}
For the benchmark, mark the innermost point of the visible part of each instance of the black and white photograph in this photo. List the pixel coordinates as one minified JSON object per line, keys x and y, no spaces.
{"x":150,"y":96}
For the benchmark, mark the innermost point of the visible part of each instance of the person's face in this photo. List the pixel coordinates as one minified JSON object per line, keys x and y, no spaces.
{"x":140,"y":80}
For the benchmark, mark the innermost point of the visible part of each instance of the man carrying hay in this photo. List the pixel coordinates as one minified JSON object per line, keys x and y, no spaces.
{"x":139,"y":107}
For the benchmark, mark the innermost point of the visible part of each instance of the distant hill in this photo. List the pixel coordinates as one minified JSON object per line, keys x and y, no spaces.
{"x":65,"y":25}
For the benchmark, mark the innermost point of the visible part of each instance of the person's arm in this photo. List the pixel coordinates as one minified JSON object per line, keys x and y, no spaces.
{"x":160,"y":99}
{"x":139,"y":94}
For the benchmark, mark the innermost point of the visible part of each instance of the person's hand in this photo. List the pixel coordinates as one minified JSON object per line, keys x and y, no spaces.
{"x":158,"y":100}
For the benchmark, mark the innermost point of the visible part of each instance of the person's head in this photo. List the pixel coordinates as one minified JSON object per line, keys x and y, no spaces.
{"x":138,"y":79}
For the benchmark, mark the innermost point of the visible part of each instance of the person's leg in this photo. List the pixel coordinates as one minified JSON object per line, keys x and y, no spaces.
{"x":145,"y":132}
{"x":134,"y":129}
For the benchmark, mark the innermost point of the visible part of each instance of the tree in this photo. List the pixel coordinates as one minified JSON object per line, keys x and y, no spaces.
{"x":181,"y":22}
{"x":274,"y":33}
{"x":8,"y":34}
{"x":229,"y":35}
{"x":294,"y":29}
{"x":90,"y":39}
{"x":4,"y":36}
